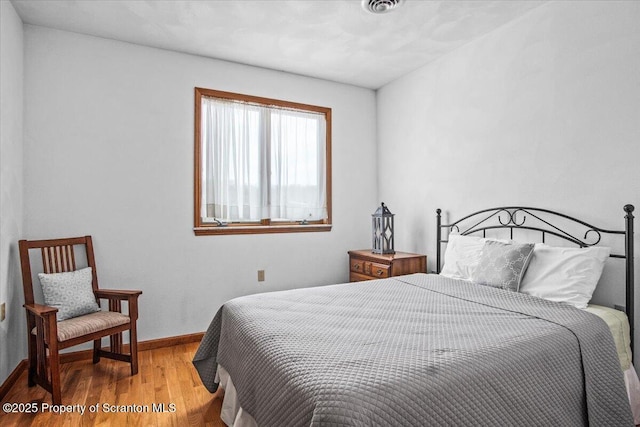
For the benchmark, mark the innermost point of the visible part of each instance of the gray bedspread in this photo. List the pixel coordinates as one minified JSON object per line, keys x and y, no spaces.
{"x":417,"y":350}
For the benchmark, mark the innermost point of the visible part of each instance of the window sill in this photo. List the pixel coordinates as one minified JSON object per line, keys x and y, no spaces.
{"x":259,"y":229}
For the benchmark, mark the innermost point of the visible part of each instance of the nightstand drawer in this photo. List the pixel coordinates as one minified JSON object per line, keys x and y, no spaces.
{"x":357,"y":277}
{"x":377,"y":270}
{"x":357,"y":266}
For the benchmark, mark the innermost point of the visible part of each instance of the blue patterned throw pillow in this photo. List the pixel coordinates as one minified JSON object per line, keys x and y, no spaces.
{"x":71,"y":293}
{"x":502,"y":265}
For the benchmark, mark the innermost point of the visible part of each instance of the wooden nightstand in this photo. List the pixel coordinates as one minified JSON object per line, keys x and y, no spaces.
{"x":365,"y":265}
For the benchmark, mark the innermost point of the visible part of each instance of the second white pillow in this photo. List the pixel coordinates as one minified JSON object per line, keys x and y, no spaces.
{"x":568,"y":275}
{"x":463,"y":255}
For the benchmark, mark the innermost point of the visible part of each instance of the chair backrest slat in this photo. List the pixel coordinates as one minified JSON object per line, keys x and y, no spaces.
{"x":58,"y":259}
{"x":72,"y":259}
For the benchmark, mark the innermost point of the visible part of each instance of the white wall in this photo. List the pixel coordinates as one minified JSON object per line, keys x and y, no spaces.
{"x":109,"y":152}
{"x":12,"y":336}
{"x":544,"y":111}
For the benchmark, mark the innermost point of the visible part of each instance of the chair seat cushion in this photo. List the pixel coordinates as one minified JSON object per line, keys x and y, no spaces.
{"x":89,"y":323}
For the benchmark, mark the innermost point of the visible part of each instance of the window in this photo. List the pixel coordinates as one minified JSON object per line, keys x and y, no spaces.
{"x":261,"y":165}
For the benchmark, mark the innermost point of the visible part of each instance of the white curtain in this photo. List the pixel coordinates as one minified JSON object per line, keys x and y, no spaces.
{"x":262,"y":162}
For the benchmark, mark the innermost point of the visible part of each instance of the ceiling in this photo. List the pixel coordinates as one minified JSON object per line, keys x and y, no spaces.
{"x":328,"y":39}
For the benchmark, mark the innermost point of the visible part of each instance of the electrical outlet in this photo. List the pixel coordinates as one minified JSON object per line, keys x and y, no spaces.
{"x":260,"y":275}
{"x":3,"y":311}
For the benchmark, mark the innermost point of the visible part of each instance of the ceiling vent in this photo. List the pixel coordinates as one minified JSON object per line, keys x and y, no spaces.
{"x":380,"y":6}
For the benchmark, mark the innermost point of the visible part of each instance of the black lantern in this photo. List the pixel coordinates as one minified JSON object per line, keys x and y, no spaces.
{"x":382,"y":228}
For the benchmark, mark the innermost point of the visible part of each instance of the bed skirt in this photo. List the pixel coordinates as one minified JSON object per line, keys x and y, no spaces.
{"x":232,"y":413}
{"x":633,"y":391}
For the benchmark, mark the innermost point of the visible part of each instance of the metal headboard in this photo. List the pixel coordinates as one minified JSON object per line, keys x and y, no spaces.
{"x":542,"y":220}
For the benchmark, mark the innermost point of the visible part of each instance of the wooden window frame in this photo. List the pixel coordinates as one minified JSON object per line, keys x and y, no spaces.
{"x":265,"y":226}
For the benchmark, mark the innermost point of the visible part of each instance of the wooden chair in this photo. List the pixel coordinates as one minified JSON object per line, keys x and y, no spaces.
{"x":46,"y":333}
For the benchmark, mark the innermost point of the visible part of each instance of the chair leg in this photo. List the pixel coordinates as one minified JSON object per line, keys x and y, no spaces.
{"x":97,"y":344}
{"x":133,"y":345}
{"x":33,"y":361}
{"x":31,"y":382}
{"x":54,"y":365}
{"x":56,"y":393}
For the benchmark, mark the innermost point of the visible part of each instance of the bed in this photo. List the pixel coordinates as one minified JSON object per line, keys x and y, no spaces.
{"x":428,"y":349}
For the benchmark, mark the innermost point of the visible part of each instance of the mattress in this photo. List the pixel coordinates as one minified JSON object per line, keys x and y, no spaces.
{"x":415,"y":350}
{"x":618,"y":324}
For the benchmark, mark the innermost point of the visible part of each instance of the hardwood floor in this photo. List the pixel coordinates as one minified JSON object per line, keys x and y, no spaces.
{"x":165,"y":375}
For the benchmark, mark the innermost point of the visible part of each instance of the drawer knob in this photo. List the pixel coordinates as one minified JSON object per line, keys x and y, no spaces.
{"x":356,"y":266}
{"x":380,"y":272}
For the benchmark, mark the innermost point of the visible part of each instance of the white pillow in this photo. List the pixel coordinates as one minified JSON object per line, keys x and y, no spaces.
{"x":463,"y":255}
{"x":568,"y":275}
